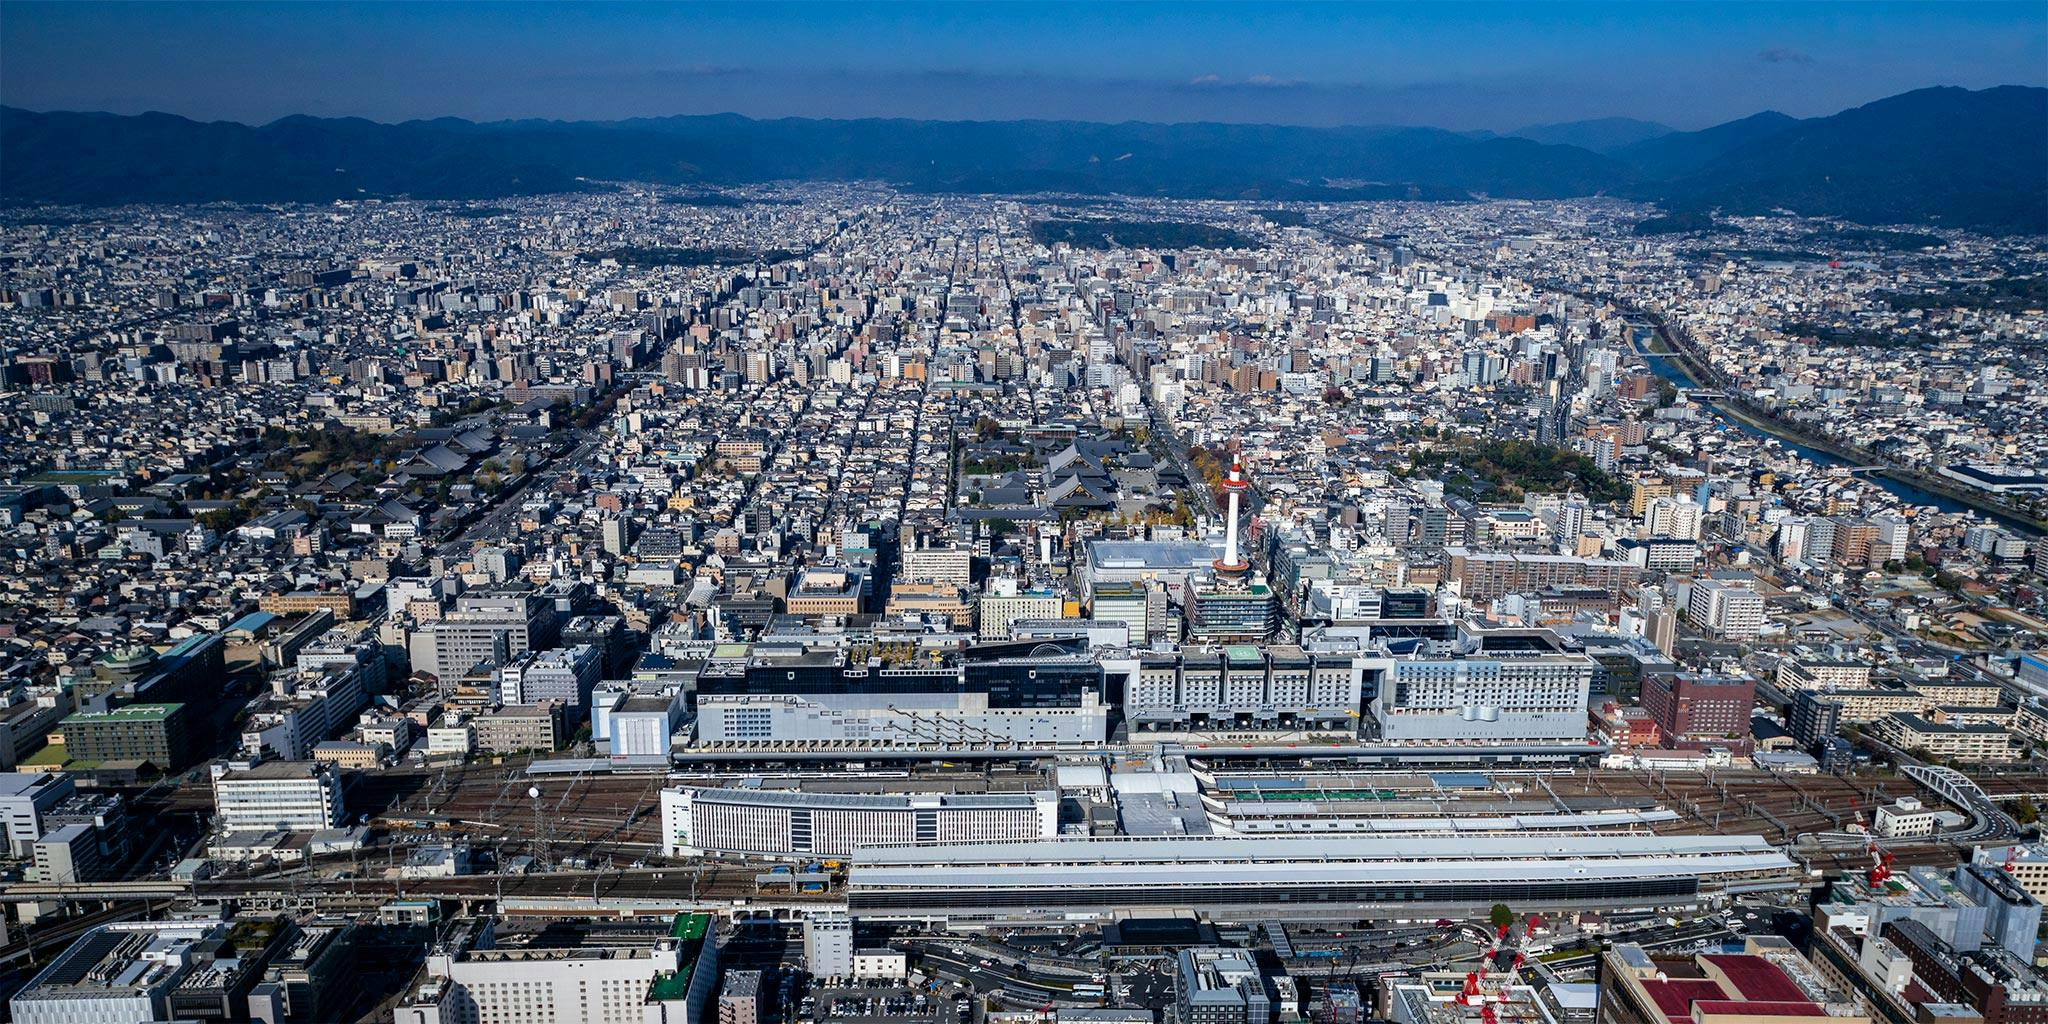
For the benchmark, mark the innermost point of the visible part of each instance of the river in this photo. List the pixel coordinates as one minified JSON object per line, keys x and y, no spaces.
{"x":1670,"y":369}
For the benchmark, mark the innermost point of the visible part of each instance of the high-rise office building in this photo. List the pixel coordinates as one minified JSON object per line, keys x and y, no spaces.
{"x":279,"y":795}
{"x":566,"y":674}
{"x":1726,"y":609}
{"x":492,"y":627}
{"x":1813,"y":717}
{"x":828,"y":944}
{"x":1220,"y":985}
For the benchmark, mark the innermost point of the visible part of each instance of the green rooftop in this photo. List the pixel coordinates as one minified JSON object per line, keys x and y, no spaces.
{"x":131,"y":713}
{"x":51,"y":756}
{"x":62,"y":476}
{"x":689,"y":931}
{"x":253,"y":934}
{"x":690,"y":927}
{"x":672,"y":985}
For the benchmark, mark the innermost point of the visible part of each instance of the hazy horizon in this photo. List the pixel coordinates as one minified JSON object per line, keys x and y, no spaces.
{"x":1463,"y":67}
{"x":893,"y":117}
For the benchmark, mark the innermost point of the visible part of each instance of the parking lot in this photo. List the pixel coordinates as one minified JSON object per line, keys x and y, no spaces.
{"x":893,"y":1004}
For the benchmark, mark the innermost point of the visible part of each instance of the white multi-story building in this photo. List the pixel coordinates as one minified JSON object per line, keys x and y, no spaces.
{"x":513,"y":987}
{"x":782,"y":823}
{"x":668,"y":982}
{"x":1506,"y":686}
{"x":303,"y":795}
{"x":1096,"y":632}
{"x":491,"y":628}
{"x":1904,"y":818}
{"x":305,"y":707}
{"x":451,"y":738}
{"x":641,"y":724}
{"x":116,"y":974}
{"x":24,"y":798}
{"x":1789,"y":541}
{"x":1894,"y":536}
{"x":1567,"y":519}
{"x":945,"y":566}
{"x":1968,"y":742}
{"x":918,"y":718}
{"x":814,"y":697}
{"x":1005,"y":603}
{"x":566,"y":674}
{"x":1728,"y":610}
{"x":1240,"y":688}
{"x":828,"y":945}
{"x":1795,"y":674}
{"x":1140,"y":607}
{"x":1677,"y":517}
{"x":880,"y":965}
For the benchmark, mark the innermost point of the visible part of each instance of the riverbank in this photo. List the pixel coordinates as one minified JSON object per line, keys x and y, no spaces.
{"x":1674,"y":363}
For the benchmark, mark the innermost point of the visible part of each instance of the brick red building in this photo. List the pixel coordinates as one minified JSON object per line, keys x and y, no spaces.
{"x":1693,"y":709}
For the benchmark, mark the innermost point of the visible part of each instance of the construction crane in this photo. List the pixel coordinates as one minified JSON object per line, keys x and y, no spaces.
{"x":1880,"y":866}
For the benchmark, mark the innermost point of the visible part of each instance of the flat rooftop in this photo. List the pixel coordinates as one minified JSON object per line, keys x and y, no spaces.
{"x":863,"y":801}
{"x":131,"y":713}
{"x":274,"y":770}
{"x":1226,"y":850}
{"x":1141,"y":554}
{"x":18,"y":783}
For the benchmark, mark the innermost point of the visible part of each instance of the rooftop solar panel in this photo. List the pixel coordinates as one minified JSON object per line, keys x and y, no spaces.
{"x":85,"y":956}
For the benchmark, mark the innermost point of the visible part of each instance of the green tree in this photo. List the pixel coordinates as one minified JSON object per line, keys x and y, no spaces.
{"x":2024,"y":811}
{"x":1501,"y":916}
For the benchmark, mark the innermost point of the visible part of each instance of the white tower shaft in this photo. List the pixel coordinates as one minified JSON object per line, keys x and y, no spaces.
{"x":1232,"y":562}
{"x":1230,"y":525}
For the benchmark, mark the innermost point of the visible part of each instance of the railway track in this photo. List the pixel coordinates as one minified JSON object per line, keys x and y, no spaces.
{"x":594,"y":816}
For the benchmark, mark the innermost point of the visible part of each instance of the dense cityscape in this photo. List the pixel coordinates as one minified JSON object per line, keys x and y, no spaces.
{"x":729,"y":569}
{"x":945,"y":602}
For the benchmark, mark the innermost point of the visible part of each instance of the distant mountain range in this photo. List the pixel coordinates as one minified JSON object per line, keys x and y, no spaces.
{"x":1932,"y":156}
{"x":1942,"y":156}
{"x":1674,"y":154}
{"x":1601,"y":135}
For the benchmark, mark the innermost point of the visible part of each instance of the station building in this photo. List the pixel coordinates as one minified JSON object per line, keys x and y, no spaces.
{"x":1303,"y":878}
{"x":783,"y":823}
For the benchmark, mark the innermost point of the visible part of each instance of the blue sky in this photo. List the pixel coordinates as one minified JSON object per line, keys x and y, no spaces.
{"x":1456,"y":65}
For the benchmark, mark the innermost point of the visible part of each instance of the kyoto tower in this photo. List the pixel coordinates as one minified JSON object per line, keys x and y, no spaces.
{"x":1231,"y":567}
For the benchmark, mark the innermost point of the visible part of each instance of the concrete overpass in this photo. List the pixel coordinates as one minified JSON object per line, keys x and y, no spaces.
{"x":1989,"y":824}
